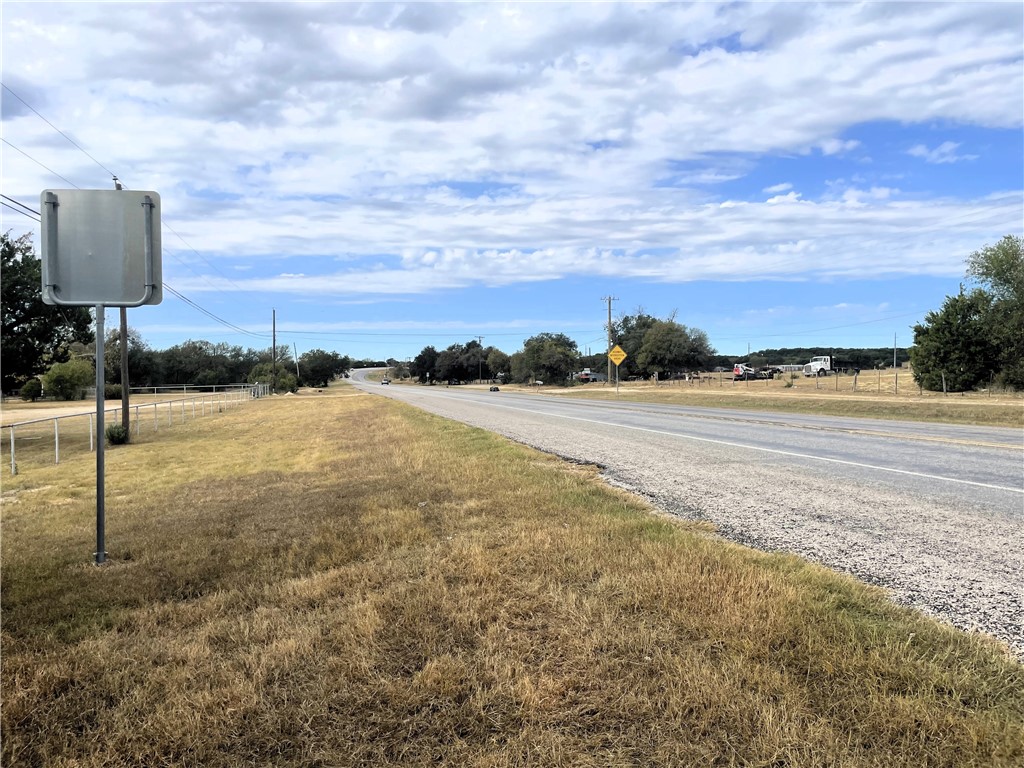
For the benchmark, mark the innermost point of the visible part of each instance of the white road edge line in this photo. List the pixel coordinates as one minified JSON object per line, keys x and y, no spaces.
{"x":793,"y":454}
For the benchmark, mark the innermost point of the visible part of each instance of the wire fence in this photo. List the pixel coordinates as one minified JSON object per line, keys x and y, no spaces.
{"x":44,"y":440}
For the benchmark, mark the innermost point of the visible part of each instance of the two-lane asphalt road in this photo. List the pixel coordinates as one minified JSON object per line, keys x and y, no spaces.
{"x":933,"y":512}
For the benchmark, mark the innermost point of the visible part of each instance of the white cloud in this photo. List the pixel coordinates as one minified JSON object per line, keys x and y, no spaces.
{"x":943,"y":153}
{"x":789,"y":197}
{"x":837,"y":146}
{"x":452,"y":145}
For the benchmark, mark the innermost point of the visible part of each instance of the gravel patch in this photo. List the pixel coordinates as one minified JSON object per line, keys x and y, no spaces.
{"x":963,"y":566}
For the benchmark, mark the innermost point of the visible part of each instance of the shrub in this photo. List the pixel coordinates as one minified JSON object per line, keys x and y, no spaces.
{"x":117,"y":434}
{"x":112,"y":391}
{"x":32,"y":390}
{"x":68,"y":381}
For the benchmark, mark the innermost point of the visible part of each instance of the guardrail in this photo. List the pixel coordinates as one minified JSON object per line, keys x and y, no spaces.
{"x":33,"y":432}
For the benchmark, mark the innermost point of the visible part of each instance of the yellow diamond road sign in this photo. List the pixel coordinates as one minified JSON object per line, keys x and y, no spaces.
{"x":617,"y":355}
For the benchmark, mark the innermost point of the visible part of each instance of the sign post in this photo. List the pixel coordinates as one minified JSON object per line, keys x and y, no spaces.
{"x":617,"y":355}
{"x":100,"y":248}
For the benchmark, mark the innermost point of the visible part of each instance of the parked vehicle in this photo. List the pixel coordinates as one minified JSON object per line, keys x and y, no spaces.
{"x":494,"y":389}
{"x":385,"y":381}
{"x":743,"y":372}
{"x":823,"y":365}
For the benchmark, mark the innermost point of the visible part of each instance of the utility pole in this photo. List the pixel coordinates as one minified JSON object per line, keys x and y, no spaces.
{"x":609,"y":299}
{"x":894,"y":350}
{"x":480,"y":361}
{"x":123,"y":344}
{"x":273,"y":351}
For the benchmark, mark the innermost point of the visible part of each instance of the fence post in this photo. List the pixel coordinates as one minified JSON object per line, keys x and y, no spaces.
{"x":14,"y":467}
{"x":156,"y":418}
{"x":56,"y":441}
{"x":138,"y":425}
{"x":90,"y":434}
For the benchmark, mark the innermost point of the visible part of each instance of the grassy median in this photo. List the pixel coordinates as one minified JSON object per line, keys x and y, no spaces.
{"x":336,"y":579}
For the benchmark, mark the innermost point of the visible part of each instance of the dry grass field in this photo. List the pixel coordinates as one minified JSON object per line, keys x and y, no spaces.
{"x":336,"y":579}
{"x":876,"y":394}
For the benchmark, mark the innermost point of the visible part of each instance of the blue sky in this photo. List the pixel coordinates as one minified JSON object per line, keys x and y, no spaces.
{"x":391,"y":176}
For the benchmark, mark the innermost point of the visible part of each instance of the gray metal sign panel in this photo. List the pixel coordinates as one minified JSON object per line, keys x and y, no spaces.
{"x":101,"y":246}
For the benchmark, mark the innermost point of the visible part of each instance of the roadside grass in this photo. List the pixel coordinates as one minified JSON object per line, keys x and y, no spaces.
{"x":876,"y":397}
{"x":341,"y":580}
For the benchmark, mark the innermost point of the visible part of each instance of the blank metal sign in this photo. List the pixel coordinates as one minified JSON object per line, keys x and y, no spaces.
{"x":94,"y":247}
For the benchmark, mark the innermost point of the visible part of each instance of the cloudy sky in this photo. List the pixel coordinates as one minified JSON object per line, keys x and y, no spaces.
{"x":392,"y":176}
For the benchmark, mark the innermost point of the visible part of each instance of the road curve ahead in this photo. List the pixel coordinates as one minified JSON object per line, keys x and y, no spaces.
{"x":934,"y":513}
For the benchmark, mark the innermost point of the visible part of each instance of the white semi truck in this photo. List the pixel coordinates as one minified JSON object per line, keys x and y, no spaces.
{"x":822,"y":365}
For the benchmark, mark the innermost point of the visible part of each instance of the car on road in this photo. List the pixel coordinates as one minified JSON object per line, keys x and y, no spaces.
{"x":494,"y":389}
{"x":385,"y":381}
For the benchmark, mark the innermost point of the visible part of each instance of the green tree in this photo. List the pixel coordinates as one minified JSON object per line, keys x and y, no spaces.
{"x":499,"y":364}
{"x":669,"y":347}
{"x":451,"y":365}
{"x":549,"y":357}
{"x":628,"y":332}
{"x":35,"y":335}
{"x":68,"y":381}
{"x":999,"y":269}
{"x":286,"y":380}
{"x":424,"y":366}
{"x":143,"y":362}
{"x":318,"y":367}
{"x":31,"y":390}
{"x":955,"y":344}
{"x":474,"y":360}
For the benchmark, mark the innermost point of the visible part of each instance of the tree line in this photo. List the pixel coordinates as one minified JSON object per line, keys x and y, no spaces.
{"x":976,"y":338}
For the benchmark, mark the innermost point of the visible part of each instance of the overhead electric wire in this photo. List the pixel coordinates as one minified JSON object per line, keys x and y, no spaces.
{"x":50,"y":170}
{"x":11,"y":199}
{"x":18,"y":210}
{"x":213,"y":316}
{"x":58,"y":130}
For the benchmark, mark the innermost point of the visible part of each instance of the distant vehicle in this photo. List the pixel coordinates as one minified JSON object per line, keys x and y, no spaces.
{"x":819,"y":366}
{"x":823,"y":365}
{"x":494,"y":389}
{"x":743,"y":372}
{"x":385,"y":381}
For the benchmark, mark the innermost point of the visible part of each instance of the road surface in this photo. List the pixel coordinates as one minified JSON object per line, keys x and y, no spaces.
{"x":932,"y":512}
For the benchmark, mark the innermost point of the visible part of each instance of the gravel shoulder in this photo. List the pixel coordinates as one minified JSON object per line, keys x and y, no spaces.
{"x":963,"y":566}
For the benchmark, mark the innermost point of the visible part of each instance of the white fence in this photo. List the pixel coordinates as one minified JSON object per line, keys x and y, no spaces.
{"x":28,"y":438}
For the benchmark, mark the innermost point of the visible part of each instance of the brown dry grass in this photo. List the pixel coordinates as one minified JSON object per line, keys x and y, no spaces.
{"x":340,"y":580}
{"x":878,"y":395}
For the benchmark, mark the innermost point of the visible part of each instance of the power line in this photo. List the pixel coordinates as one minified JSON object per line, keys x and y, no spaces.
{"x":58,"y":130}
{"x":32,"y":214}
{"x":212,"y":316}
{"x":118,"y":184}
{"x":18,"y":210}
{"x":50,"y":170}
{"x":11,"y":199}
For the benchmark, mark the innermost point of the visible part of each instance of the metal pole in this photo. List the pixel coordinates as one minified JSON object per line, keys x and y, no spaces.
{"x":125,"y":386}
{"x":14,"y":467}
{"x":56,"y":442}
{"x":101,"y":552}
